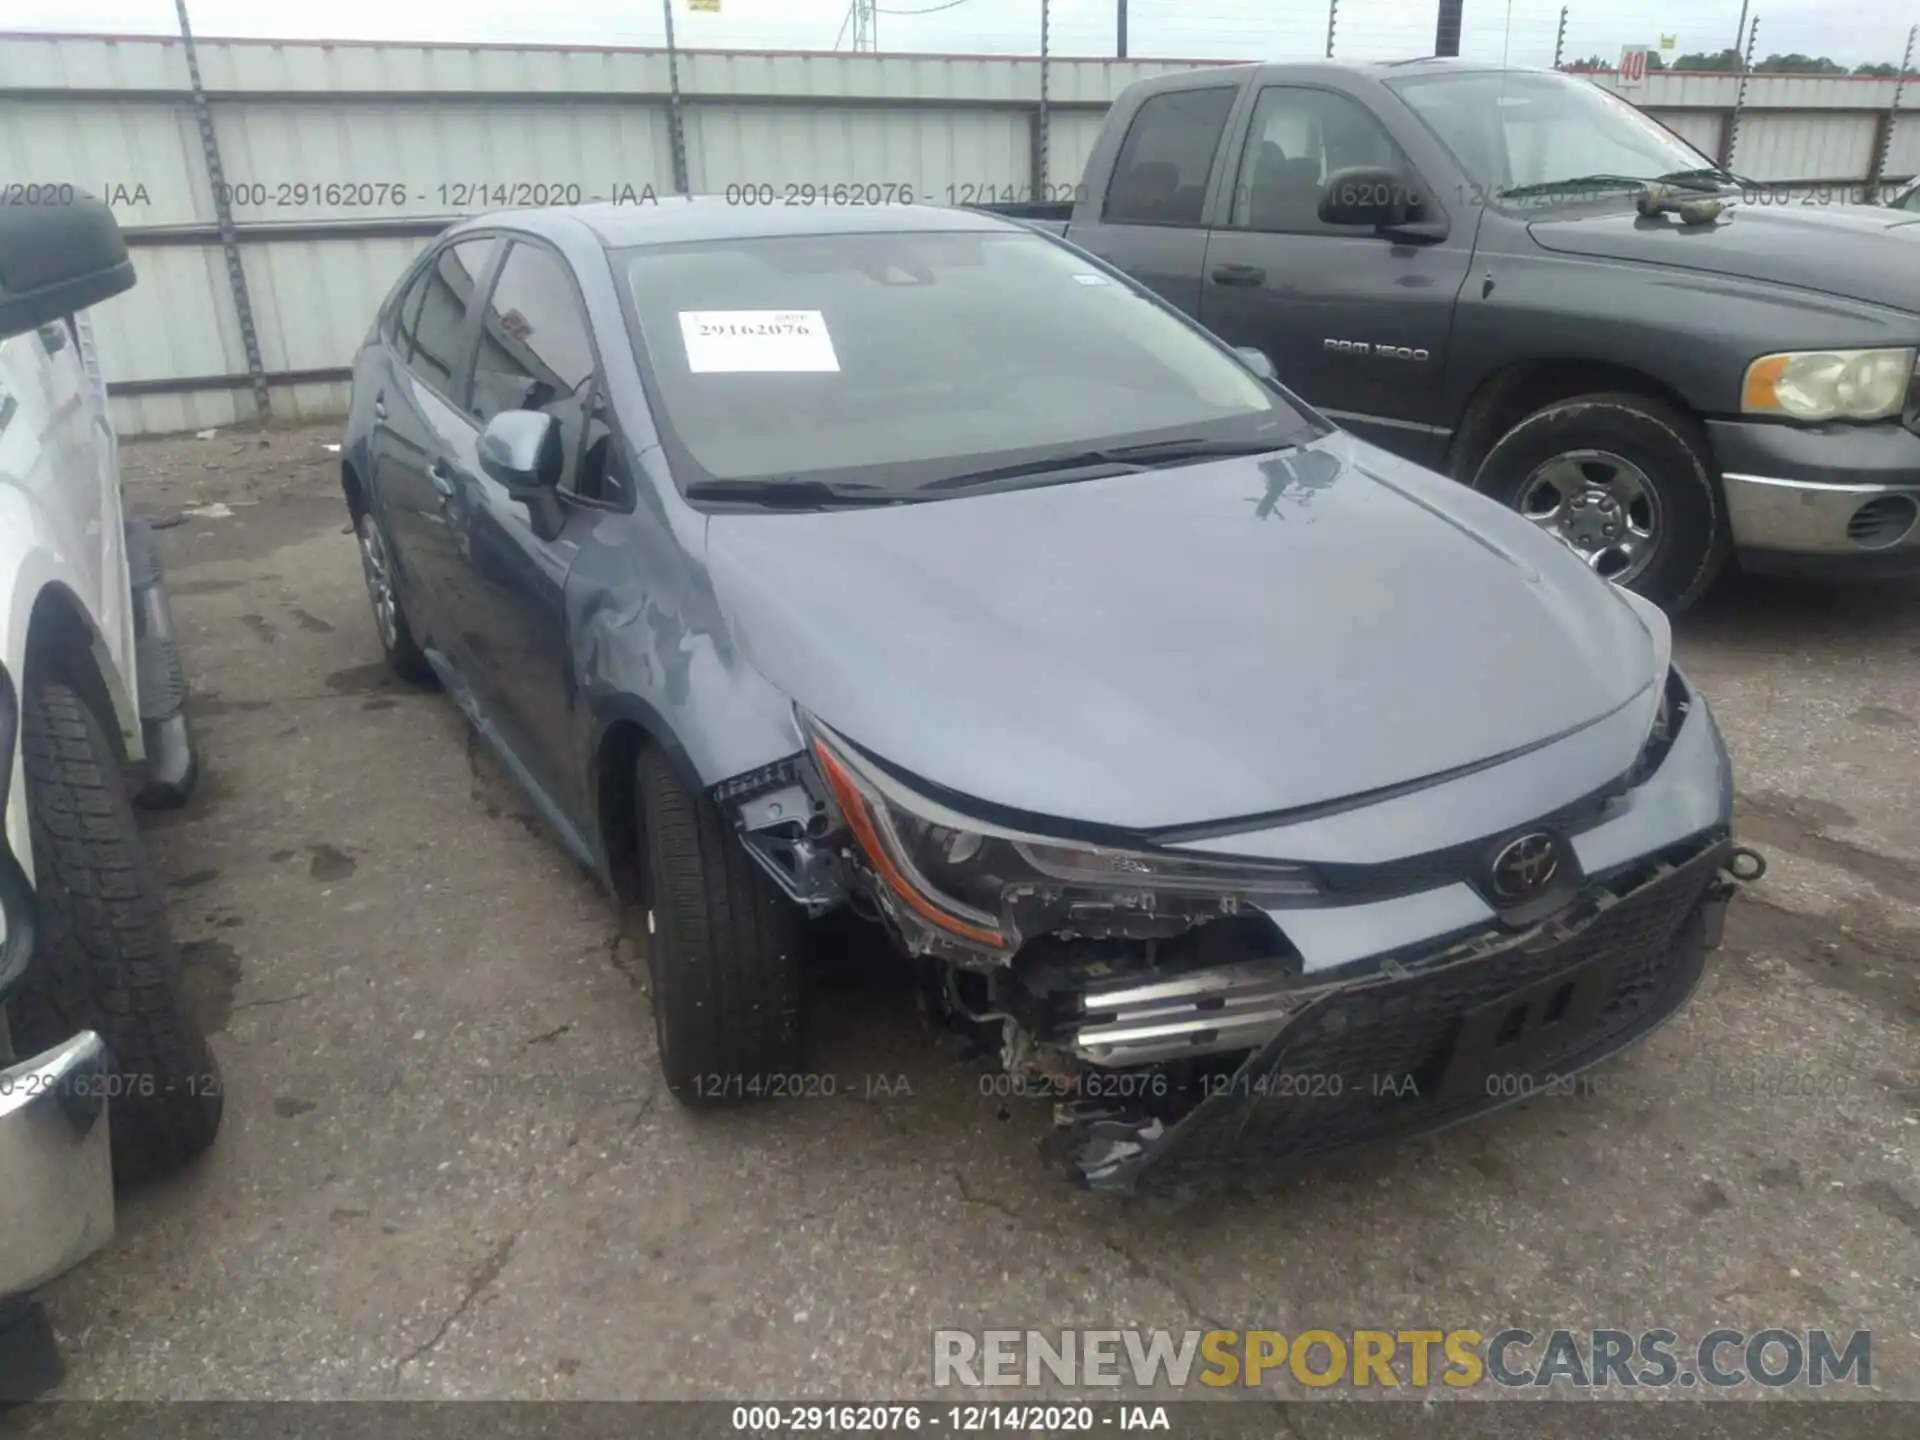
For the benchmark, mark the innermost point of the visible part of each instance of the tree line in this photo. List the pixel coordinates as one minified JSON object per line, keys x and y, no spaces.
{"x":1729,"y":61}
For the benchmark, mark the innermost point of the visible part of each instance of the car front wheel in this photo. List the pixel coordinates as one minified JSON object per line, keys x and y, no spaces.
{"x":723,"y":949}
{"x":1626,"y":483}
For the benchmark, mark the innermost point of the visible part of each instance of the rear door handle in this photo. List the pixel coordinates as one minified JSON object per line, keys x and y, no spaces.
{"x":1239,"y":275}
{"x":442,"y":477}
{"x":379,"y":404}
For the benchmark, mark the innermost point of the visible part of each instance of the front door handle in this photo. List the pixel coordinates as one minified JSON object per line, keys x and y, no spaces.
{"x":379,"y":404}
{"x":1239,"y":275}
{"x":442,"y":477}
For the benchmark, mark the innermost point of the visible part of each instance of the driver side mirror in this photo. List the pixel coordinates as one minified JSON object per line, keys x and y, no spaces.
{"x":1368,"y":195}
{"x":521,"y":450}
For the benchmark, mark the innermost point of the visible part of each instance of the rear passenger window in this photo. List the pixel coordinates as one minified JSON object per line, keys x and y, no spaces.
{"x":435,"y":319}
{"x":1161,"y":175}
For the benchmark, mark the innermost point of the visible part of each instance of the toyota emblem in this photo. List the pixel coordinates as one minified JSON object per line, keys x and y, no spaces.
{"x":1526,"y":866}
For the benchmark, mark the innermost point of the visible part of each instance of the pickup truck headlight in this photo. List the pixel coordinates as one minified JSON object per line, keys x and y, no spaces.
{"x":1829,"y":384}
{"x":988,"y":887}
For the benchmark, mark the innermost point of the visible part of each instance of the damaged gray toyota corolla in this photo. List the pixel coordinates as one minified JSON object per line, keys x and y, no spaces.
{"x":1251,"y":792}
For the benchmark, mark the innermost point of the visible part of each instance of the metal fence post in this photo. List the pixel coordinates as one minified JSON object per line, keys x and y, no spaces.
{"x":223,"y":219}
{"x":1122,"y":19}
{"x":1739,"y":98}
{"x":676,"y":125}
{"x":1891,"y":120}
{"x":1560,"y":39}
{"x":1041,"y":117}
{"x":1333,"y":15}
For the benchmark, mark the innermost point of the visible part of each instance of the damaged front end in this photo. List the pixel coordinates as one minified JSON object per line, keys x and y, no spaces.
{"x":1154,"y":997}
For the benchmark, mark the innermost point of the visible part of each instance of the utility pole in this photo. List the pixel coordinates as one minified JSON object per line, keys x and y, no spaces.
{"x":1121,"y":49}
{"x":866,"y":26}
{"x":676,"y":123}
{"x":1333,"y":14}
{"x":1560,"y":39}
{"x":1446,"y":34}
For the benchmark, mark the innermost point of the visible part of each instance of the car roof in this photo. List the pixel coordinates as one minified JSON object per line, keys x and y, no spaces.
{"x":674,"y":219}
{"x":1372,"y":69}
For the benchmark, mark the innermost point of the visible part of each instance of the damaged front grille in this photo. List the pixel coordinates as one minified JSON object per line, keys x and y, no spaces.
{"x":1408,"y":1051}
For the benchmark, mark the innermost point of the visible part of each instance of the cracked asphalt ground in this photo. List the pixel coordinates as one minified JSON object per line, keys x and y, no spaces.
{"x":449,"y":1169}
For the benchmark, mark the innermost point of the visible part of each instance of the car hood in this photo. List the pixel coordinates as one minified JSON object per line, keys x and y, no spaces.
{"x":1861,"y":252}
{"x":1188,"y":645}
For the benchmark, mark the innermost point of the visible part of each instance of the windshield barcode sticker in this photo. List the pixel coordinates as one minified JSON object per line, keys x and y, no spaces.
{"x":758,"y":341}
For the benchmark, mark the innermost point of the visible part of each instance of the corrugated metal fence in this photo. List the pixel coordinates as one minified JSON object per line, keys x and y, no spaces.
{"x":341,"y":159}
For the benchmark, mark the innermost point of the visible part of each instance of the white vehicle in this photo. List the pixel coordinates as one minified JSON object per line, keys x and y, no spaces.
{"x":105,"y":1074}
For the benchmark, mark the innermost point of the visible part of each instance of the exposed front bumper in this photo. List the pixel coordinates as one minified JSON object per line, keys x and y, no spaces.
{"x":1420,"y":1047}
{"x":56,"y":1177}
{"x":1835,"y":499}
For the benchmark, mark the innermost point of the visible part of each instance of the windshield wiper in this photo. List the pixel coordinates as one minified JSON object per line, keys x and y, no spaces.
{"x":1713,"y":173}
{"x":792,"y":494}
{"x":1124,"y":458}
{"x":1684,"y":180}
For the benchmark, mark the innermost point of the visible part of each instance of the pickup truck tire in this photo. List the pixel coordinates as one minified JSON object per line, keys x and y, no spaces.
{"x":723,"y":949}
{"x":104,"y":960}
{"x":404,"y":655}
{"x":1688,"y":543}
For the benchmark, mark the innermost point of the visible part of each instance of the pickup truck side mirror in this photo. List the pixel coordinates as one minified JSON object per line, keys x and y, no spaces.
{"x":58,"y":255}
{"x":1368,"y":195}
{"x":1256,"y":360}
{"x":521,"y":450}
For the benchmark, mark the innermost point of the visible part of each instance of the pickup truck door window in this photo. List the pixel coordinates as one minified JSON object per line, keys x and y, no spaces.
{"x":1152,"y":224}
{"x":1356,"y":321}
{"x":426,"y":434}
{"x":535,"y":352}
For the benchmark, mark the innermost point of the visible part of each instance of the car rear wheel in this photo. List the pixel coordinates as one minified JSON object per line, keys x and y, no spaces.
{"x":103,"y":959}
{"x":723,"y":949}
{"x":1626,"y":483}
{"x":404,"y":656}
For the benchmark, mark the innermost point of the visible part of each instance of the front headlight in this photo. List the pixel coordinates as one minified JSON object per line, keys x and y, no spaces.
{"x":989,"y":887}
{"x":1829,"y":384}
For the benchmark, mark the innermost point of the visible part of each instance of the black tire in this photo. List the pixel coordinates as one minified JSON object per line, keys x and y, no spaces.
{"x":103,"y":959}
{"x":1692,"y":542}
{"x":404,"y":656}
{"x":724,"y":952}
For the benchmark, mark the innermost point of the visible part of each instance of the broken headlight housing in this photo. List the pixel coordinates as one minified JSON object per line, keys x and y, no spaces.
{"x":952,"y":880}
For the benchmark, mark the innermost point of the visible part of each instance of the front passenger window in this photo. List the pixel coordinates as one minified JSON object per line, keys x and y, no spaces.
{"x":536,"y":353}
{"x":1300,"y":136}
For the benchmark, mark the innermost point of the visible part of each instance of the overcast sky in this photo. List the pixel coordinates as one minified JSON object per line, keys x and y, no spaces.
{"x":1521,"y":31}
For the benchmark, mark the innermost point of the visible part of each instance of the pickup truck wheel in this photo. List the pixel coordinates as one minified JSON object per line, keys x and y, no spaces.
{"x":103,"y":959}
{"x":1625,"y":482}
{"x":404,"y":656}
{"x":723,"y":949}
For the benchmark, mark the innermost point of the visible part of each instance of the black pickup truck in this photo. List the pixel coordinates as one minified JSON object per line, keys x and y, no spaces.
{"x":1519,"y":279}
